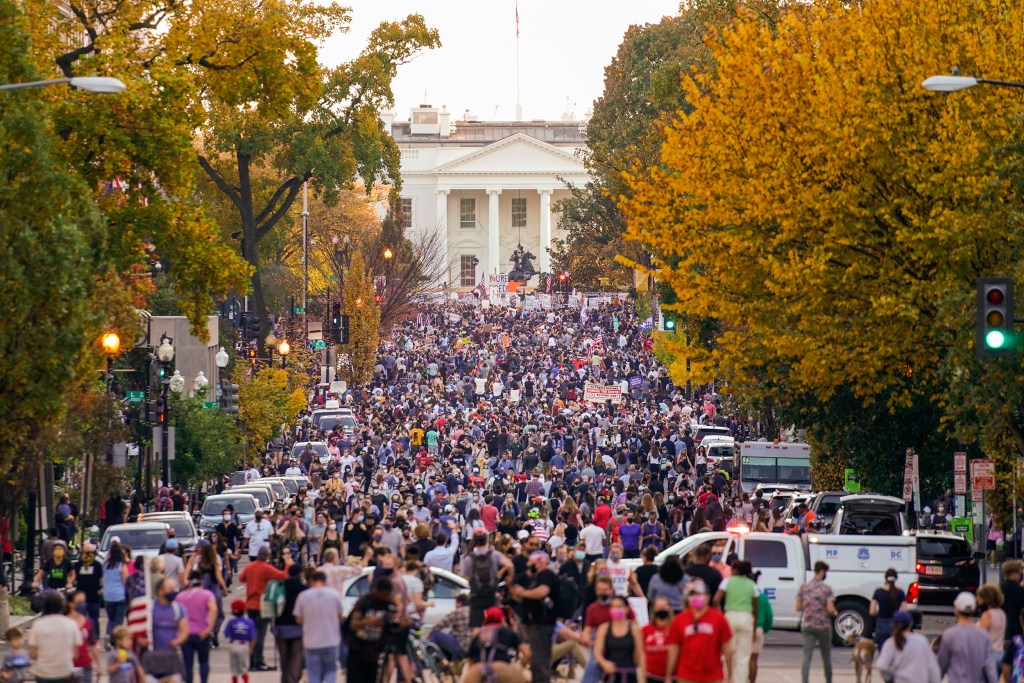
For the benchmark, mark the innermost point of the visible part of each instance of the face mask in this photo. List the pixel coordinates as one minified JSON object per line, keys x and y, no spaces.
{"x":82,"y":609}
{"x":170,"y":595}
{"x":662,"y":614}
{"x":615,"y":557}
{"x":386,"y":572}
{"x":332,"y":526}
{"x":698,"y":602}
{"x":604,"y":599}
{"x":617,"y":613}
{"x":227,"y":518}
{"x":580,"y":555}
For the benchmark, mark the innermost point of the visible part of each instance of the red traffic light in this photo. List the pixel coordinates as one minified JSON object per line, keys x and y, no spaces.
{"x":995,"y":296}
{"x":563,"y":277}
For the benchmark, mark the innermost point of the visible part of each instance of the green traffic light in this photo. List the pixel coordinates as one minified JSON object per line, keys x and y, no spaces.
{"x":995,"y":339}
{"x":670,"y":324}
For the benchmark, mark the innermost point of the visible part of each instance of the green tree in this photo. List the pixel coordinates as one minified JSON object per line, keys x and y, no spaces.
{"x":364,"y":323}
{"x":208,"y":442}
{"x":265,"y":402}
{"x":276,"y":108}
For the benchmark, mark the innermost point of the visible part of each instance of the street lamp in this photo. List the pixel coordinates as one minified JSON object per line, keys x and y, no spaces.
{"x":97,"y":84}
{"x":165,"y":354}
{"x":388,"y":253}
{"x":200,"y":383}
{"x":955,"y":82}
{"x":221,"y":359}
{"x":177,"y":382}
{"x":283,"y":349}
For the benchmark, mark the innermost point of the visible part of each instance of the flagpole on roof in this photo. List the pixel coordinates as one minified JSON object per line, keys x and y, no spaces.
{"x":519,"y":107}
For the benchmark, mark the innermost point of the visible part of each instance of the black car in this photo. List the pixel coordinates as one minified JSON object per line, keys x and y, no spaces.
{"x":946,"y":565}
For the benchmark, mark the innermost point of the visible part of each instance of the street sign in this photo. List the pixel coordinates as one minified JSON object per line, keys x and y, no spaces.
{"x":209,"y":404}
{"x":983,"y":475}
{"x":851,"y":482}
{"x":298,"y":309}
{"x":960,"y":473}
{"x":318,"y":345}
{"x":908,"y":476}
{"x":135,"y":396}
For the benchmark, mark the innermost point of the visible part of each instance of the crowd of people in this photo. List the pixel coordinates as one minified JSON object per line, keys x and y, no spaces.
{"x":476,"y":453}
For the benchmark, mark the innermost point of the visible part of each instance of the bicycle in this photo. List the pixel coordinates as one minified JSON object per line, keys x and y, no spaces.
{"x":426,"y":660}
{"x":9,"y":571}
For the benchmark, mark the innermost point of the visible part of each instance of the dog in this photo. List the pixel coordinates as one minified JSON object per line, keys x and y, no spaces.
{"x":863,"y":657}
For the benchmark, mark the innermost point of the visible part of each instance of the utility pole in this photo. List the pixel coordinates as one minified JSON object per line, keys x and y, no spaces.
{"x":305,"y":259}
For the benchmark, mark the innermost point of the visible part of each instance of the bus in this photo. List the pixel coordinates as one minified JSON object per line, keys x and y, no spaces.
{"x":768,"y":464}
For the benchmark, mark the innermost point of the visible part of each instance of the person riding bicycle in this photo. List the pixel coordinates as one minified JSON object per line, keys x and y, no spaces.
{"x":452,"y":634}
{"x":492,"y":652}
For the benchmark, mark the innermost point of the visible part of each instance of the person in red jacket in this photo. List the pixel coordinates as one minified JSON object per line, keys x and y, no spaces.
{"x":698,"y":640}
{"x":602,"y":514}
{"x":256,"y":575}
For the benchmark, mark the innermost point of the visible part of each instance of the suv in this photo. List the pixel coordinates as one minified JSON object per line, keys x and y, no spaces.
{"x":244,"y":505}
{"x":319,"y":446}
{"x":946,"y":565}
{"x":824,"y":506}
{"x":144,"y":538}
{"x":869,"y":515}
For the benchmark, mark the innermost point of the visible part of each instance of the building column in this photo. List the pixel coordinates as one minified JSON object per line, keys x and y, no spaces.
{"x":545,"y":231}
{"x":442,"y":226}
{"x":492,"y":232}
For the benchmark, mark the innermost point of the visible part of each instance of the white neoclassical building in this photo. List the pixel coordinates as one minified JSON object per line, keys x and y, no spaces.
{"x":486,"y":186}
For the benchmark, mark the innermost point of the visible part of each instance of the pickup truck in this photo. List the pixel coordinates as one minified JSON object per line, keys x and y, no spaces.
{"x":857,"y":565}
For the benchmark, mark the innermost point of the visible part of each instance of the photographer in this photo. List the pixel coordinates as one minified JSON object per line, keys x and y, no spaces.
{"x":539,"y":602}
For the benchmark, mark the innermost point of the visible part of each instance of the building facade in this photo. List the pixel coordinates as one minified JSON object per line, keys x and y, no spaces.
{"x":486,"y":186}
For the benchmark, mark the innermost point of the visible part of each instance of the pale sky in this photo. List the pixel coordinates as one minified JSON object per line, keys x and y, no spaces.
{"x":564,"y":46}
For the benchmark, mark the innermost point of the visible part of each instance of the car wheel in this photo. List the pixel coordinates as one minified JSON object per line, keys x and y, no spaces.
{"x":850,"y":623}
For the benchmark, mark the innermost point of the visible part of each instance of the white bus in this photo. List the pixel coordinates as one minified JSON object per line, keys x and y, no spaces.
{"x":764,"y":464}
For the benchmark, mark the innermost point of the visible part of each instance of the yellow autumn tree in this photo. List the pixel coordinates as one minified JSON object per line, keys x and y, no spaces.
{"x":833,"y":215}
{"x":364,"y":323}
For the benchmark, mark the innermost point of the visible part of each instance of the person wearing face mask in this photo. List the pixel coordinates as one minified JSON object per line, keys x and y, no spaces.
{"x":257,"y":533}
{"x":816,"y":604}
{"x":331,"y":539}
{"x":655,"y":637}
{"x":539,"y":601}
{"x":699,"y":639}
{"x":619,"y":645}
{"x":87,"y":655}
{"x":577,"y":567}
{"x":597,"y":614}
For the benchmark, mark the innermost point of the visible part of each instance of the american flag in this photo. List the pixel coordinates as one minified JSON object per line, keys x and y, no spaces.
{"x":549,"y":284}
{"x":598,"y":345}
{"x":483,"y":288}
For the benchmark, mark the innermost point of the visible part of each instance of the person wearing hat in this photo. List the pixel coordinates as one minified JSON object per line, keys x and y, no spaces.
{"x":494,"y":651}
{"x":696,"y":654}
{"x":964,"y":648}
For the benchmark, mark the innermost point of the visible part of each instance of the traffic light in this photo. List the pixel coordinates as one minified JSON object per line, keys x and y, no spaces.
{"x":229,"y":398}
{"x":335,"y":315}
{"x":252,"y":357}
{"x":994,"y":323}
{"x":149,"y":413}
{"x":378,"y":298}
{"x":670,"y":325}
{"x":161,"y":410}
{"x":343,"y":330}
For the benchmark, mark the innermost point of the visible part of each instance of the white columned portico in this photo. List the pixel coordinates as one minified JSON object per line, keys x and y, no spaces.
{"x":545,"y":230}
{"x":442,"y":227}
{"x":492,"y":231}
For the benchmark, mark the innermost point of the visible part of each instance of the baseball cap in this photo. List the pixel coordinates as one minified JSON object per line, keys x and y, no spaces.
{"x":523,"y":534}
{"x":237,"y":606}
{"x":903,"y":617}
{"x":171,"y":544}
{"x":965,"y":603}
{"x":494,"y":615}
{"x":449,"y":508}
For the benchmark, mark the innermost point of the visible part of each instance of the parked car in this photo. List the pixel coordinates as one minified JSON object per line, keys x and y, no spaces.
{"x":184,"y":528}
{"x":946,"y":565}
{"x":446,"y":587}
{"x":244,"y":504}
{"x":824,"y":505}
{"x":144,"y":538}
{"x":263,"y":495}
{"x":280,"y":489}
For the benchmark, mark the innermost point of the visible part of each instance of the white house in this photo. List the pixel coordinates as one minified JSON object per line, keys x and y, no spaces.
{"x":487,"y":186}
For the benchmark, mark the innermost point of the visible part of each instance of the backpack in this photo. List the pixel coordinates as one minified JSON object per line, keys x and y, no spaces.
{"x":483,"y":580}
{"x":765,"y":615}
{"x":272,"y":602}
{"x":568,"y":601}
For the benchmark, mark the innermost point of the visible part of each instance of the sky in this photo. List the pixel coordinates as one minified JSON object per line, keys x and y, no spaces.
{"x":564,"y":46}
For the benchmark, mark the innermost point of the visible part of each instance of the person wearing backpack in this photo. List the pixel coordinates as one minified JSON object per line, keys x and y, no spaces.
{"x":256,"y":575}
{"x":485,"y":568}
{"x":539,"y":602}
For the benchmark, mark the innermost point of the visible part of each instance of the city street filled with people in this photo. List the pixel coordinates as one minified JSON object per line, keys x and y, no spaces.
{"x":481,"y":521}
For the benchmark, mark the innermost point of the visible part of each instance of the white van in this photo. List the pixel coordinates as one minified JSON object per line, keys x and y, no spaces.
{"x":857,"y":565}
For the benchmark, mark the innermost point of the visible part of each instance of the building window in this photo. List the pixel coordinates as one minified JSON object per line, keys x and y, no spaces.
{"x":467,"y":271}
{"x":467,"y":212}
{"x":407,"y":213}
{"x":519,"y":212}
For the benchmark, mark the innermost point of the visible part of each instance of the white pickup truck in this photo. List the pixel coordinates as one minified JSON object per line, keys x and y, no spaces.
{"x":857,"y":566}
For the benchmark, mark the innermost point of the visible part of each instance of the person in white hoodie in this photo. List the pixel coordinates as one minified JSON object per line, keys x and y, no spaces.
{"x":907,"y":657}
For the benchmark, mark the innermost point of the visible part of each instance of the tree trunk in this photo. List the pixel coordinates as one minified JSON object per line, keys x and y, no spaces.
{"x":250,"y":250}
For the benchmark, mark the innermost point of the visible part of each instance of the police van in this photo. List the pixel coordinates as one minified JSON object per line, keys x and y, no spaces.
{"x":857,"y":566}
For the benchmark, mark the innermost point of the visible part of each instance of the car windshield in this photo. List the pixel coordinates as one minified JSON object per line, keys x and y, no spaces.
{"x":215,"y":506}
{"x":182,"y":529}
{"x":794,"y":472}
{"x":942,"y":548}
{"x":753,"y":468}
{"x":328,"y":423}
{"x":869,"y":524}
{"x":320,"y":448}
{"x":237,"y":478}
{"x":828,"y":505}
{"x":260,"y":495}
{"x":150,"y":538}
{"x":291,"y":485}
